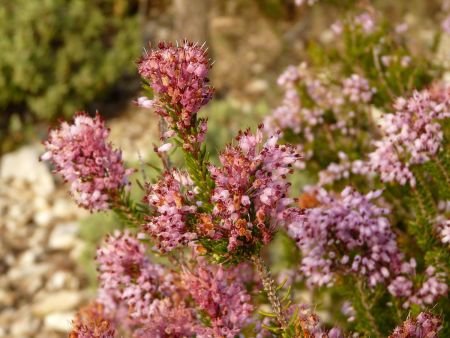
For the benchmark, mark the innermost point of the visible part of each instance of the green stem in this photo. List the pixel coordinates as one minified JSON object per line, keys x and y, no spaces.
{"x":367,"y":309}
{"x":442,"y":169}
{"x":271,"y":291}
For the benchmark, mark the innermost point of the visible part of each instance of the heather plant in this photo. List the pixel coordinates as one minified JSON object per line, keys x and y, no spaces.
{"x":370,"y":231}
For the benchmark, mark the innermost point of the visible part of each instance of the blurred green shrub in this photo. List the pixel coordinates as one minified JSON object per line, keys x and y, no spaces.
{"x":59,"y":55}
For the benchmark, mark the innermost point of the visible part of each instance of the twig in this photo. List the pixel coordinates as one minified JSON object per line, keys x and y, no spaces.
{"x":269,"y":287}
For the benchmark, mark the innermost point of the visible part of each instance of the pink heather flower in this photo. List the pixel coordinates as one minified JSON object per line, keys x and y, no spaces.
{"x":412,"y":135}
{"x":306,"y":99}
{"x":140,"y":294}
{"x":352,"y":222}
{"x":432,"y":289}
{"x":348,"y":311}
{"x":425,"y":325}
{"x":357,"y":89}
{"x":286,"y":116}
{"x":366,"y":22}
{"x":178,"y":75}
{"x":442,"y":222}
{"x":425,"y":294}
{"x":221,"y":294}
{"x":84,"y":158}
{"x":91,"y":322}
{"x":252,"y":177}
{"x":145,"y":102}
{"x":168,"y":321}
{"x":342,"y":170}
{"x":165,"y":147}
{"x":169,"y":224}
{"x":120,"y":261}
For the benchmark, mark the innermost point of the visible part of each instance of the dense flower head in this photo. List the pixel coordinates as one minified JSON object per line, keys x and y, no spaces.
{"x":424,"y":294}
{"x":92,"y":322}
{"x":167,"y":320}
{"x":412,"y":135}
{"x":84,"y":158}
{"x":425,"y":325}
{"x":178,"y":74}
{"x":221,"y":294}
{"x":346,"y":234}
{"x":171,"y":197}
{"x":138,"y":293}
{"x":252,"y":177}
{"x":121,"y":259}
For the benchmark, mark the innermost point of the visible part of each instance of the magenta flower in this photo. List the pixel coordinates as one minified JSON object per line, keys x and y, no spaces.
{"x":84,"y":158}
{"x":252,"y":176}
{"x":138,"y":293}
{"x":178,"y":75}
{"x":357,"y":89}
{"x":222,"y":295}
{"x":90,"y":322}
{"x":425,"y":325}
{"x":412,"y":135}
{"x":121,"y":260}
{"x":173,"y":206}
{"x":425,"y":294}
{"x":345,"y":234}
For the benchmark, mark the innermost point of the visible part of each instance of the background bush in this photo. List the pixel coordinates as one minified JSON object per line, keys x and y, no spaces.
{"x":59,"y":55}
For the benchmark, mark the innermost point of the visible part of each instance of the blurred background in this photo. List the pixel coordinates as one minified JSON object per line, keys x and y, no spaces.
{"x":62,"y":56}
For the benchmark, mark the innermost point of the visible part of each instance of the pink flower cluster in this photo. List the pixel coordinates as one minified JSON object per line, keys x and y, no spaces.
{"x":346,"y":234}
{"x":365,"y":22}
{"x":172,"y":198}
{"x":342,"y":170}
{"x":252,"y":177}
{"x":84,"y":158}
{"x":178,"y":74}
{"x":357,"y":89}
{"x":221,"y":294}
{"x":308,"y":97}
{"x":90,"y":322}
{"x":425,"y":294}
{"x":425,"y":325}
{"x":412,"y":135}
{"x":154,"y":302}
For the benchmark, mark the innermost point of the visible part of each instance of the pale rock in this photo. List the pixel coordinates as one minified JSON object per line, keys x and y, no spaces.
{"x":18,"y":273}
{"x":59,"y":301}
{"x":43,"y":217}
{"x":60,"y":280}
{"x":24,"y":325}
{"x":6,"y":298}
{"x":27,"y":258}
{"x":24,"y":164}
{"x":40,"y":203}
{"x":63,"y":208}
{"x":61,"y":322}
{"x":78,"y":250}
{"x":64,"y":236}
